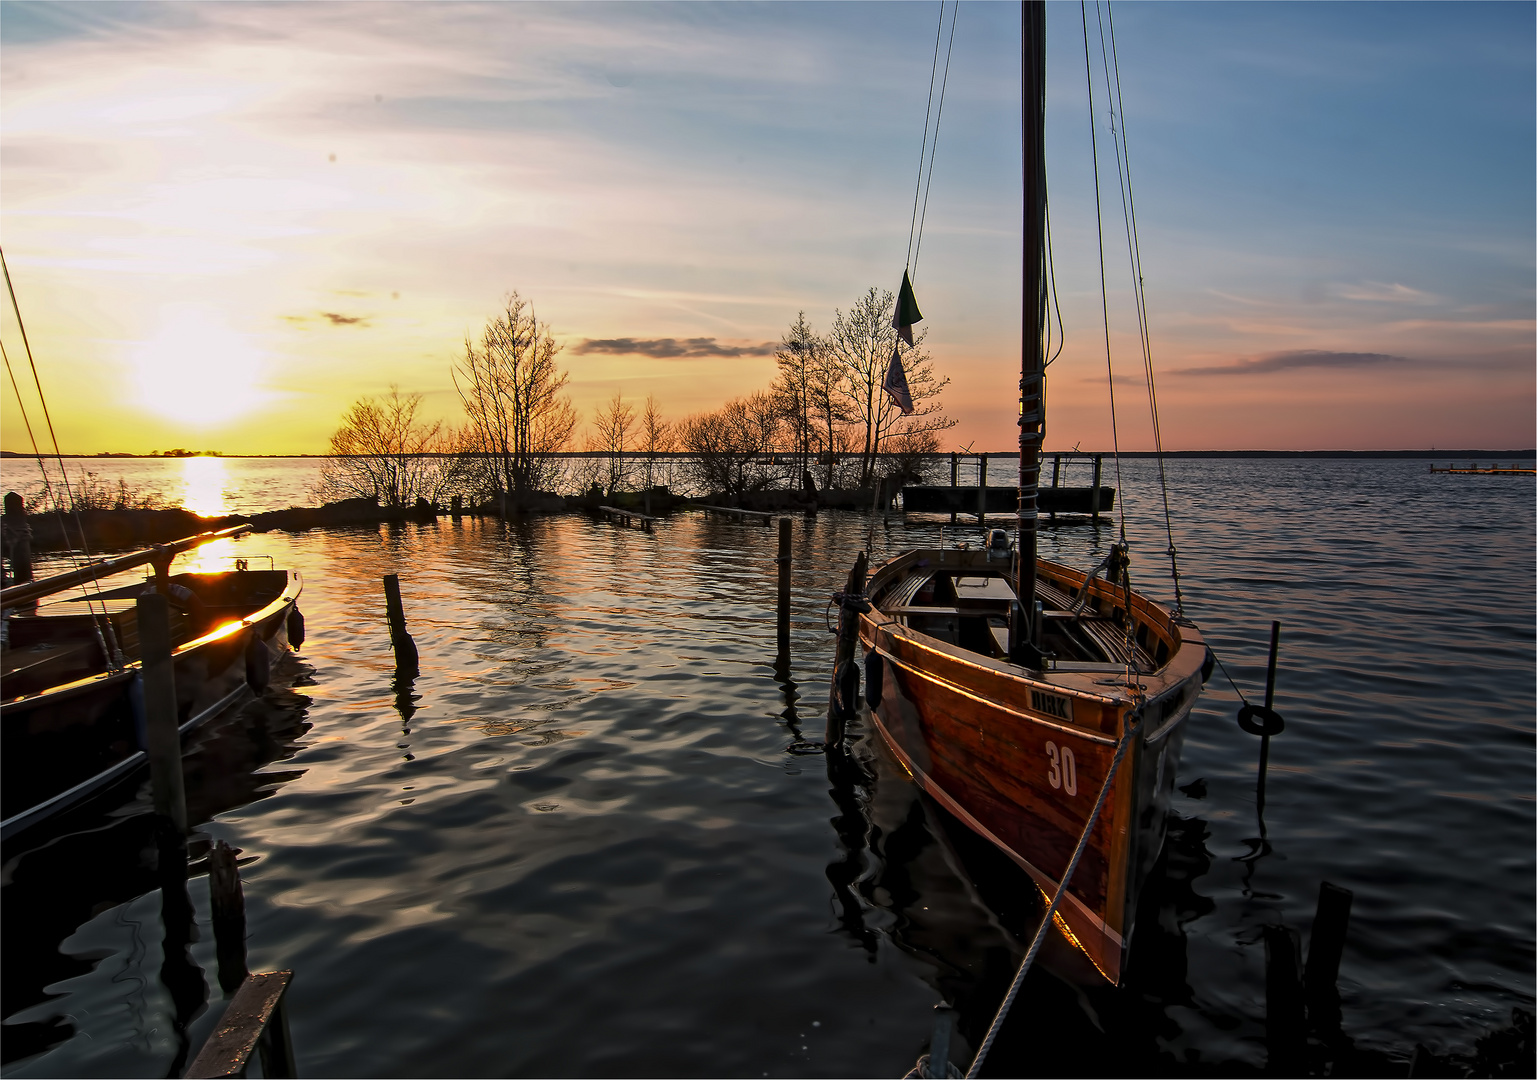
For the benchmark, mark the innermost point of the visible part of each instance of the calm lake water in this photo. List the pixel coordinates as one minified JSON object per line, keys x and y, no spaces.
{"x":598,"y":836}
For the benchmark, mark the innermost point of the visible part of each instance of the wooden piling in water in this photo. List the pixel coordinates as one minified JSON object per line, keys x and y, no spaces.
{"x":18,"y":538}
{"x":162,"y":735}
{"x":1099,"y":460}
{"x":784,"y":586}
{"x":955,"y":469}
{"x":1327,"y":943}
{"x":227,"y":901}
{"x":1285,"y":1018}
{"x":456,"y":507}
{"x":406,"y":658}
{"x":982,"y":490}
{"x":843,"y":700}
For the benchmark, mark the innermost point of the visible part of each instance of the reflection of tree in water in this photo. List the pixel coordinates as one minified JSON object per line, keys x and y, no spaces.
{"x":96,"y":858}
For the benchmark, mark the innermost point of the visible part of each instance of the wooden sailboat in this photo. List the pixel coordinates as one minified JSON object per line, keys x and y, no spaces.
{"x":72,"y":721}
{"x":1010,"y":687}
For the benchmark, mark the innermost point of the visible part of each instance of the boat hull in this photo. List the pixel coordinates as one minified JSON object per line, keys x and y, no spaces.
{"x":66,"y":743}
{"x":1020,"y":756}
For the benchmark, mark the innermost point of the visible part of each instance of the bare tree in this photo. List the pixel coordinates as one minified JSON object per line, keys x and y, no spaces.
{"x":512,"y":393}
{"x":656,"y":438}
{"x":611,"y":434}
{"x":731,"y":450}
{"x":381,"y":451}
{"x":797,"y":356}
{"x":861,"y":342}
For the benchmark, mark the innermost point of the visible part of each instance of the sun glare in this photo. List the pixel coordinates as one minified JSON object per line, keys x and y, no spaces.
{"x":197,"y":370}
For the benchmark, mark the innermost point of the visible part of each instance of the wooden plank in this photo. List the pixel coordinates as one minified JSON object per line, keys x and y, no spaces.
{"x":759,"y":515}
{"x":617,"y":511}
{"x":247,"y":1018}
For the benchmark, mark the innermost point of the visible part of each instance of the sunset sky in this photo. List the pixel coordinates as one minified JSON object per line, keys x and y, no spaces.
{"x":225,"y":222}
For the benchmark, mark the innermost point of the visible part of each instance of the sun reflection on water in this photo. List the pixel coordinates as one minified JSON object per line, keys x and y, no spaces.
{"x":203,"y":483}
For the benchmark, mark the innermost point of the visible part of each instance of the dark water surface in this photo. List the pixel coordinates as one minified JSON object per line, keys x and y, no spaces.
{"x":598,"y":835}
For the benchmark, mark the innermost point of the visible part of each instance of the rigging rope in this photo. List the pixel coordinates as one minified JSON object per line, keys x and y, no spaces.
{"x":1134,"y":250}
{"x":1104,"y":298}
{"x":105,"y":633}
{"x":915,"y":238}
{"x":1040,"y":934}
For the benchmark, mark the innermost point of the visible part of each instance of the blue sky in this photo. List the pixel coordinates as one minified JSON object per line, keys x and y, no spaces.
{"x":228,"y":221}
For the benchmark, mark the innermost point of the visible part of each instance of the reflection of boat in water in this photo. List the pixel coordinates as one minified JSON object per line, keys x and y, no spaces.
{"x":72,"y":718}
{"x":1042,"y":706}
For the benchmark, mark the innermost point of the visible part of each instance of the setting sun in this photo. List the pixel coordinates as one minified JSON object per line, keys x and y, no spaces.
{"x":196,"y":369}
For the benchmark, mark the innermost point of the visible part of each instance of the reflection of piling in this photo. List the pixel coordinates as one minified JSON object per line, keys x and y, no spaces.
{"x":228,"y":903}
{"x":784,"y":586}
{"x":161,"y":735}
{"x":400,"y":641}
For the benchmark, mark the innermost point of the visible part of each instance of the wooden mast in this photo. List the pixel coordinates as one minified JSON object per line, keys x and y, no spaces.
{"x":1032,"y":395}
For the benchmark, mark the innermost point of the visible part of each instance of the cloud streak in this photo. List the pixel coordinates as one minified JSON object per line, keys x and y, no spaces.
{"x":1298,"y":358}
{"x":669,"y":348}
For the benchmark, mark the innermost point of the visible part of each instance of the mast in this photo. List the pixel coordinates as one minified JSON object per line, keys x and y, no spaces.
{"x":1032,"y":368}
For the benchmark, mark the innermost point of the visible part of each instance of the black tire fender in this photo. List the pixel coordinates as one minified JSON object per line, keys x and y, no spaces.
{"x":296,"y":627}
{"x":258,"y":663}
{"x":875,"y":678}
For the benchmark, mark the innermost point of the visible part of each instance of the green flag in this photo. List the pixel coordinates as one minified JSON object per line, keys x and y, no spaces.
{"x":907,"y":312}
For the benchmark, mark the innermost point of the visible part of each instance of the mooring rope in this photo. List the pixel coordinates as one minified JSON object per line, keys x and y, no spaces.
{"x":1051,"y":910}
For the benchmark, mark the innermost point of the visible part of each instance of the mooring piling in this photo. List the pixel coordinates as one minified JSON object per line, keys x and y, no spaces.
{"x":1285,"y":1016}
{"x":1099,"y":461}
{"x":955,"y":470}
{"x":784,"y":586}
{"x":1327,"y":944}
{"x":406,"y":659}
{"x":1264,"y":743}
{"x":227,"y":901}
{"x":162,"y":735}
{"x":982,"y":490}
{"x":843,"y":698}
{"x":937,"y":1062}
{"x":17,"y":538}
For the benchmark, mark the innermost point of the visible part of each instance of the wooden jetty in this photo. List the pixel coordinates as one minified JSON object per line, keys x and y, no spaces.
{"x":760,"y":516}
{"x":980,"y":499}
{"x":628,"y":517}
{"x":1486,"y":470}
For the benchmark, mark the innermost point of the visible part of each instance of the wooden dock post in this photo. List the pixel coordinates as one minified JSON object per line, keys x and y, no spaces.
{"x":456,"y":507}
{"x":1056,"y":475}
{"x":18,"y":538}
{"x":1264,"y":742}
{"x":955,"y":469}
{"x":843,"y":700}
{"x":1285,"y":1022}
{"x":1099,"y":460}
{"x":938,"y":1063}
{"x":1327,"y":944}
{"x":982,"y":490}
{"x":228,"y":903}
{"x":406,"y":659}
{"x":162,"y":735}
{"x":784,"y":586}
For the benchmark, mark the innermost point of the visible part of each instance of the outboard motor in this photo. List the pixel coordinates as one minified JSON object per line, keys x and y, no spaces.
{"x":998,"y":543}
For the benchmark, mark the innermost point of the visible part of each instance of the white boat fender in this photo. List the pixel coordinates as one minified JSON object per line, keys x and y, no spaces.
{"x":875,"y":679}
{"x":296,"y":627}
{"x":258,"y":663}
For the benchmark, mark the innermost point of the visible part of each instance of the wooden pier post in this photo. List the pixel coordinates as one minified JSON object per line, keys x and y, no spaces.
{"x":1285,"y":1022}
{"x":1264,"y":742}
{"x":1056,"y":475}
{"x":784,"y":586}
{"x":843,"y":701}
{"x":982,"y":490}
{"x":406,"y":659}
{"x":1099,"y":460}
{"x":228,"y":903}
{"x":955,"y":469}
{"x":162,"y":731}
{"x":456,"y":507}
{"x":18,"y":538}
{"x":1327,"y":944}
